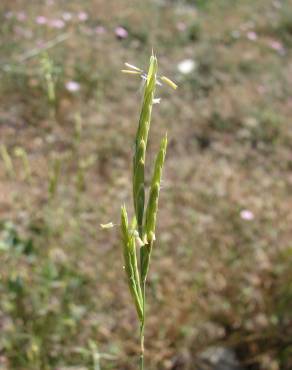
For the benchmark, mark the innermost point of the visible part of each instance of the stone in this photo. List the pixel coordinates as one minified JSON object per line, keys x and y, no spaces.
{"x":218,"y":358}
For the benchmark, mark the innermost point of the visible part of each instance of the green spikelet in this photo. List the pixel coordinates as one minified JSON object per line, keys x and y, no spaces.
{"x":138,"y":185}
{"x":151,"y":212}
{"x":142,"y":230}
{"x":130,"y":260}
{"x":141,"y":144}
{"x":152,"y":206}
{"x":145,"y":116}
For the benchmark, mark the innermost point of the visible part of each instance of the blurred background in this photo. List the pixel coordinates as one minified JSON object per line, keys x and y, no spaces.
{"x":220,"y":285}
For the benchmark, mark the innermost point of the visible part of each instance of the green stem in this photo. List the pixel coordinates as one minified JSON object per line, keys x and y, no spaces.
{"x":142,"y":346}
{"x":142,"y":326}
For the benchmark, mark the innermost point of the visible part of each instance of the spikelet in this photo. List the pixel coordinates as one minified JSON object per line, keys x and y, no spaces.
{"x":152,"y":206}
{"x":169,"y":82}
{"x":151,"y":211}
{"x":142,"y":230}
{"x":138,"y":184}
{"x":141,"y":144}
{"x":130,"y":260}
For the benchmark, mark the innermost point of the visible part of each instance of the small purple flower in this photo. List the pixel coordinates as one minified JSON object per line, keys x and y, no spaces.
{"x":121,"y":32}
{"x":57,"y":23}
{"x":251,"y":35}
{"x":277,"y":45}
{"x":82,"y":16}
{"x":40,"y":19}
{"x":246,"y":215}
{"x":72,"y":86}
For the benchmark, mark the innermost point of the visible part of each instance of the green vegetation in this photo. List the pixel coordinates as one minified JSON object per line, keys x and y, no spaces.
{"x":146,"y":225}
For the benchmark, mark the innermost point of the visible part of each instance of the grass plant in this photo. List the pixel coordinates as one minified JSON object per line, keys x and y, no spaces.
{"x":141,"y":231}
{"x":22,"y":154}
{"x":48,"y":73}
{"x":6,"y":158}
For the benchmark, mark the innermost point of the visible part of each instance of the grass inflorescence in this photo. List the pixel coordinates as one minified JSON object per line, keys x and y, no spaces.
{"x":141,"y":231}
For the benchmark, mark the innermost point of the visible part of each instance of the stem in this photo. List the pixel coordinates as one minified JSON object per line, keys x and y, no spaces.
{"x":142,"y":346}
{"x":142,"y":326}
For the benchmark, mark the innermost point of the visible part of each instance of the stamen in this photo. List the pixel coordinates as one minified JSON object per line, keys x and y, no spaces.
{"x":131,"y":66}
{"x":130,"y":72}
{"x":107,"y":226}
{"x":169,"y":82}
